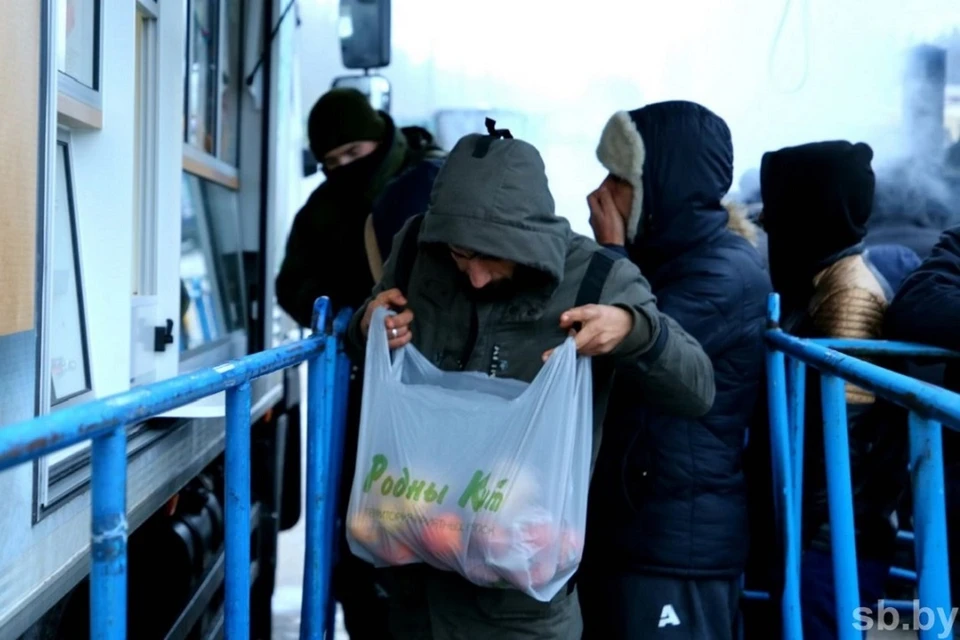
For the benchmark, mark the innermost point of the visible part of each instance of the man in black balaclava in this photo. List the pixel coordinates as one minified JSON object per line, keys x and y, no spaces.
{"x":361,"y":151}
{"x":377,"y":176}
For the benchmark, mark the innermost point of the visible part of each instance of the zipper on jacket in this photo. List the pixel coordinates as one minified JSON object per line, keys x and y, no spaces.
{"x":495,"y":361}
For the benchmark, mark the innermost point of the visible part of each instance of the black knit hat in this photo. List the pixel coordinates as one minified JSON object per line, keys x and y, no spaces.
{"x":342,"y":116}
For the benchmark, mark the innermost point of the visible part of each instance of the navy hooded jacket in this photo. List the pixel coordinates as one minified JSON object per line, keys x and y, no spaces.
{"x":404,"y":197}
{"x":668,"y":494}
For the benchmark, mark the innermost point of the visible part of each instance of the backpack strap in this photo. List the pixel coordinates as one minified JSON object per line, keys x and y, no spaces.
{"x":601,"y":263}
{"x":374,"y":259}
{"x":591,"y":287}
{"x":407,"y":254}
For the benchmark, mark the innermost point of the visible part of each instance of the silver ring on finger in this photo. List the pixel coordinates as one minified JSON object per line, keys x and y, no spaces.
{"x":394,"y":333}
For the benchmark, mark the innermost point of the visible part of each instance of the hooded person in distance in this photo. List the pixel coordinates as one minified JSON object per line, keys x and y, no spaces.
{"x":817,"y":202}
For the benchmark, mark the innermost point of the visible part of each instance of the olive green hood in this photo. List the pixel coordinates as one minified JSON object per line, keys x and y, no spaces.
{"x":492,"y":197}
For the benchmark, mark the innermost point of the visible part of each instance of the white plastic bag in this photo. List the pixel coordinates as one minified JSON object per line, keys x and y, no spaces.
{"x":484,"y":476}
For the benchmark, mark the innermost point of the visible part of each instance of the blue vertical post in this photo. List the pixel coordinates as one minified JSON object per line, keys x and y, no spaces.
{"x":340,"y":369}
{"x":237,"y":489}
{"x":108,"y":539}
{"x":782,"y":481}
{"x":930,"y":524}
{"x":313,"y":607}
{"x":330,"y":489}
{"x":335,"y":450}
{"x":840,"y":499}
{"x":783,"y":494}
{"x":311,"y":616}
{"x":797,"y":377}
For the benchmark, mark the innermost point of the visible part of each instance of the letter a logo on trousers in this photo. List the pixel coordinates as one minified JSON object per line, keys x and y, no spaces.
{"x":668,"y":617}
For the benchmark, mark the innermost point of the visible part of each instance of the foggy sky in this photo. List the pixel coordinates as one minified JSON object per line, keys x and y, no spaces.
{"x":835,"y":71}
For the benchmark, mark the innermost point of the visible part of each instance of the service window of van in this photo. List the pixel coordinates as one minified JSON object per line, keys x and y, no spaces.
{"x":79,"y":63}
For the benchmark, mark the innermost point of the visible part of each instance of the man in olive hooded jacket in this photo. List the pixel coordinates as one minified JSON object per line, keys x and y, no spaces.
{"x":493,"y":286}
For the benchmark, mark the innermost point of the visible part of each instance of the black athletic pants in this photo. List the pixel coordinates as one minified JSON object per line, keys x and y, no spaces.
{"x":627,"y":606}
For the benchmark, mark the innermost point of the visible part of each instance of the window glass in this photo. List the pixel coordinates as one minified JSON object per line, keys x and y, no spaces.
{"x":230,"y":84}
{"x":201,"y":89}
{"x":69,"y":367}
{"x":77,"y":46}
{"x":222,"y":208}
{"x":202,"y":315}
{"x":212,"y":286}
{"x":144,"y":137}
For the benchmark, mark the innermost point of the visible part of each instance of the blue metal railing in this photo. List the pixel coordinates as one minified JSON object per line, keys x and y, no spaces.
{"x":929,"y":407}
{"x":105,"y":422}
{"x":324,"y":462}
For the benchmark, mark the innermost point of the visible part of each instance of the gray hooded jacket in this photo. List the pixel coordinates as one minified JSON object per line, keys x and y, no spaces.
{"x":492,"y":197}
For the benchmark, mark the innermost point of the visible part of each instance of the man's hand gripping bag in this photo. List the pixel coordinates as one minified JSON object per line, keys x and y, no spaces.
{"x":484,"y":476}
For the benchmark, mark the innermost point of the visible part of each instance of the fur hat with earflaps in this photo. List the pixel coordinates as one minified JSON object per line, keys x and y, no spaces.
{"x":621,"y":151}
{"x":678,"y":157}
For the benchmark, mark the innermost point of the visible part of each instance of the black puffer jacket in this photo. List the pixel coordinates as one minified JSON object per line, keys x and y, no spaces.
{"x":927,"y":307}
{"x":668,"y":495}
